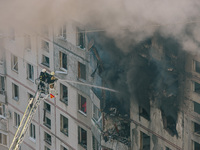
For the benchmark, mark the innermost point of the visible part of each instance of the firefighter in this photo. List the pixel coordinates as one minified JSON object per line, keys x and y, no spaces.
{"x":51,"y":80}
{"x":43,"y":79}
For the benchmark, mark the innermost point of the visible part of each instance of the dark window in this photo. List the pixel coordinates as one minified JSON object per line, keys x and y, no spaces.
{"x":16,"y":119}
{"x":197,"y":107}
{"x":47,"y":122}
{"x":167,"y":148}
{"x":47,"y":138}
{"x":82,"y":103}
{"x":30,"y":72}
{"x":144,"y":113}
{"x":144,"y":141}
{"x":2,"y":85}
{"x":15,"y":92}
{"x":63,"y":60}
{"x":32,"y":131}
{"x":63,"y":125}
{"x":45,"y":60}
{"x":81,"y":71}
{"x":63,"y":93}
{"x":82,"y":137}
{"x":81,"y":38}
{"x":196,"y":128}
{"x":47,"y":107}
{"x":196,"y":146}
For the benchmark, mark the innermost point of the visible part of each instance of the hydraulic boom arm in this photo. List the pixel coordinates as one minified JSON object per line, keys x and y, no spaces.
{"x":26,"y":120}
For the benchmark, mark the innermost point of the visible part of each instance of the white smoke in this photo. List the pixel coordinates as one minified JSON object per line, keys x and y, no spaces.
{"x":142,"y":18}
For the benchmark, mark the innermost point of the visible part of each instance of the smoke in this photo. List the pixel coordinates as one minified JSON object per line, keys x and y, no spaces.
{"x":128,"y":26}
{"x":142,"y":18}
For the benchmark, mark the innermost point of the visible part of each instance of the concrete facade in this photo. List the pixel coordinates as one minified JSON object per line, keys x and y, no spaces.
{"x":43,"y":51}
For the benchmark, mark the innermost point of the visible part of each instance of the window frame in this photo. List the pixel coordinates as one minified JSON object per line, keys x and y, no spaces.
{"x":46,"y":139}
{"x":45,"y":122}
{"x":2,"y":110}
{"x":80,"y":137}
{"x":2,"y":85}
{"x":193,"y":144}
{"x":195,"y":106}
{"x":14,"y":90}
{"x":3,"y":139}
{"x":142,"y":134}
{"x":62,"y":32}
{"x":30,"y":72}
{"x":32,"y":131}
{"x":62,"y":99}
{"x":196,"y":126}
{"x":16,"y":120}
{"x":80,"y":104}
{"x":61,"y":63}
{"x":45,"y":62}
{"x":14,"y":63}
{"x":46,"y":108}
{"x":62,"y":129}
{"x":81,"y":71}
{"x":80,"y":33}
{"x":96,"y":113}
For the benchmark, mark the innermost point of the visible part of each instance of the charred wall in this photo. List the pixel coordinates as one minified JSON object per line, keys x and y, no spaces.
{"x":152,"y":70}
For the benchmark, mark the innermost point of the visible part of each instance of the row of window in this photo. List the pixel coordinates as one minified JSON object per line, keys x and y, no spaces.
{"x":46,"y":62}
{"x":62,"y":33}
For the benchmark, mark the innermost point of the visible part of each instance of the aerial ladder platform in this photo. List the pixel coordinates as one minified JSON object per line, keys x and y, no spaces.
{"x":28,"y":116}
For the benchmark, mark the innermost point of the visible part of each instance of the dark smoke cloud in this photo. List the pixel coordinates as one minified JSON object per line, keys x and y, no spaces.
{"x":144,"y":72}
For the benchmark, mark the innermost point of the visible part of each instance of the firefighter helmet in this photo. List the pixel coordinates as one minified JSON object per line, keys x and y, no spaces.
{"x":52,"y":73}
{"x":44,"y":70}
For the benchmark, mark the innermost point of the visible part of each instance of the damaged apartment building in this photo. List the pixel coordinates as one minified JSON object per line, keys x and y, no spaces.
{"x":154,"y":105}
